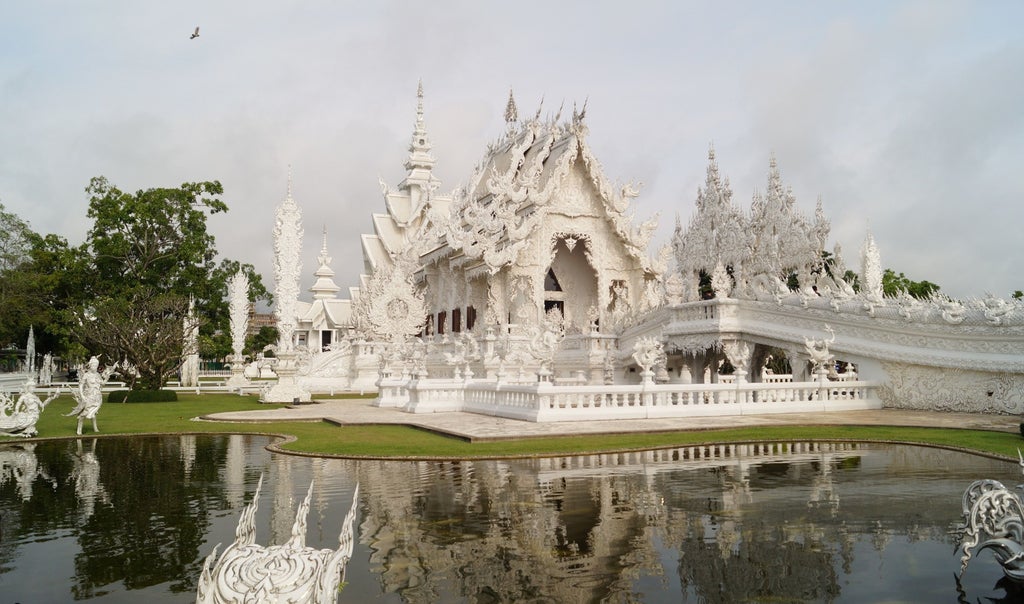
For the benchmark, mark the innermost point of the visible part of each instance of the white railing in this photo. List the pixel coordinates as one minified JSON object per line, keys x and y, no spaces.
{"x":547,"y":402}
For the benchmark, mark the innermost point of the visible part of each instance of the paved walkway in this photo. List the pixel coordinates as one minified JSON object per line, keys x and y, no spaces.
{"x":475,"y":427}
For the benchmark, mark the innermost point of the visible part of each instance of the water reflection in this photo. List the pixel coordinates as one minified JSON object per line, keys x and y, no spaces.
{"x":117,"y":519}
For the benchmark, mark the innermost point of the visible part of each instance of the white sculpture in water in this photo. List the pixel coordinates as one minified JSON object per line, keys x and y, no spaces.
{"x":248,"y":572}
{"x":19,"y":417}
{"x":89,"y":394}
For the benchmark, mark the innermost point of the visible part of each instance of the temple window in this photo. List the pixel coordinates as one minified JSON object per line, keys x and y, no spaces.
{"x":470,"y":318}
{"x":456,"y":320}
{"x":442,"y":318}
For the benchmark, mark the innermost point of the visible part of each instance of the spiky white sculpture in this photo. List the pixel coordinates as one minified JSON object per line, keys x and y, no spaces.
{"x":238,"y":309}
{"x":248,"y":572}
{"x":190,"y":347}
{"x":287,"y":267}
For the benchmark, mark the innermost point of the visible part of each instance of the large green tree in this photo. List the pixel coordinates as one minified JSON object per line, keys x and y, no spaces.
{"x":15,"y":294}
{"x":149,"y":253}
{"x":32,"y":267}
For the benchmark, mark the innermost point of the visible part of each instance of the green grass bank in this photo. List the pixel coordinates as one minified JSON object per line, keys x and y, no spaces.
{"x":388,"y":441}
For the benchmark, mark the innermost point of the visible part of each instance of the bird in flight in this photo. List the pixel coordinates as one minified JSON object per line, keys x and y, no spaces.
{"x":195,"y":34}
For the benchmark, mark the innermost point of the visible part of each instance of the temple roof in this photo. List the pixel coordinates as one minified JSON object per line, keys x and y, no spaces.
{"x":515,"y":185}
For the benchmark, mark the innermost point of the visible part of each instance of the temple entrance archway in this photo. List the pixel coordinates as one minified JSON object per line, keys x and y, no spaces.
{"x":570,"y":282}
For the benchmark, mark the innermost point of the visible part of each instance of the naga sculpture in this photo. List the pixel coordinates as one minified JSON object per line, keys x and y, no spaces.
{"x":993,"y":518}
{"x":248,"y":572}
{"x":19,"y":417}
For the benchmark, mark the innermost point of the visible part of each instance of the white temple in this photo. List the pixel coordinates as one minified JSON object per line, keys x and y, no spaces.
{"x":528,"y":292}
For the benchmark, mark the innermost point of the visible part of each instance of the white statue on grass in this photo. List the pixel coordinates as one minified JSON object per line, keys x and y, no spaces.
{"x":89,"y":394}
{"x":19,"y":417}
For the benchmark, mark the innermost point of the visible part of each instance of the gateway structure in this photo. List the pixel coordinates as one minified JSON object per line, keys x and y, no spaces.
{"x":528,"y":292}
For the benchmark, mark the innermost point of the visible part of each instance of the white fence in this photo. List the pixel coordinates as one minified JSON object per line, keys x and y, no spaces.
{"x":544,"y":402}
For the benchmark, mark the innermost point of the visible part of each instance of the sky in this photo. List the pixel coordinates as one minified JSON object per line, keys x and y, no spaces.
{"x":906,"y":118}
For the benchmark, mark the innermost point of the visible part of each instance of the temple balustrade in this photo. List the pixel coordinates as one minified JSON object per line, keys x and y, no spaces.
{"x":544,"y":402}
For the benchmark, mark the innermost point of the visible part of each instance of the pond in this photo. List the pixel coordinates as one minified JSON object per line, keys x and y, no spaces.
{"x":131,"y":519}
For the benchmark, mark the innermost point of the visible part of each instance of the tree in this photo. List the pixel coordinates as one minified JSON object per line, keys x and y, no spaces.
{"x":148,"y":253}
{"x":893,"y":284}
{"x":32,"y":267}
{"x":258,"y":341}
{"x":146,"y":331}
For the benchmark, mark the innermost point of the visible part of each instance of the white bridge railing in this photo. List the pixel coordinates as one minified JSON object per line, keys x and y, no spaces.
{"x":544,"y":402}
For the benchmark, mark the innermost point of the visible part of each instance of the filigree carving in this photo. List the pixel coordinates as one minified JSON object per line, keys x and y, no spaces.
{"x":818,"y":351}
{"x":951,"y":389}
{"x":287,"y":267}
{"x":996,"y":514}
{"x":391,"y":305}
{"x":648,"y":352}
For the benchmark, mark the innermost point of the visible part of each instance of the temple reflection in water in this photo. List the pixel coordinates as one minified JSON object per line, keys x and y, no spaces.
{"x":740,"y":522}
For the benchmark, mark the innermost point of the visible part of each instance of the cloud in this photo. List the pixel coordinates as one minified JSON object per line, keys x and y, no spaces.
{"x":903,"y":116}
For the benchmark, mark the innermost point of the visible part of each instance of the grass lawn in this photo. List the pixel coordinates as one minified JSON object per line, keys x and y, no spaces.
{"x":405,"y":442}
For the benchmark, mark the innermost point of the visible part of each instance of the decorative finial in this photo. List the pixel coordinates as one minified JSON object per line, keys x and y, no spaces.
{"x":324,"y":258}
{"x":289,"y":181}
{"x":419,"y":106}
{"x":511,"y":113}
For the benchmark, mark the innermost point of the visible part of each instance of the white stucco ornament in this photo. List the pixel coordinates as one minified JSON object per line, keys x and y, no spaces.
{"x":238,"y":313}
{"x":391,"y":306}
{"x":292,"y":572}
{"x":819,"y":353}
{"x":287,"y":267}
{"x":647,"y":352}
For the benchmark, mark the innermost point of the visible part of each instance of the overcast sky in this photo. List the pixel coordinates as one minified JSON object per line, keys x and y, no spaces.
{"x":907,"y":118}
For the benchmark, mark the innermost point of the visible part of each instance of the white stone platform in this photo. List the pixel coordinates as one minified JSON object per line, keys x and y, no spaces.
{"x":481,"y":428}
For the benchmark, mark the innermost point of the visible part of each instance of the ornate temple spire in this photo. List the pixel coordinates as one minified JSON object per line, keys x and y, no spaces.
{"x":419,"y":180}
{"x":511,"y":112}
{"x":325,"y":287}
{"x":871,"y":270}
{"x":287,"y":265}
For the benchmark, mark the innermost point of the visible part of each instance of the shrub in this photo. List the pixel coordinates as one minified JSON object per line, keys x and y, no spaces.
{"x":142,"y":396}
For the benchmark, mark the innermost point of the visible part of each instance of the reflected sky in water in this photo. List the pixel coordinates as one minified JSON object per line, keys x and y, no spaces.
{"x":122,"y":519}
